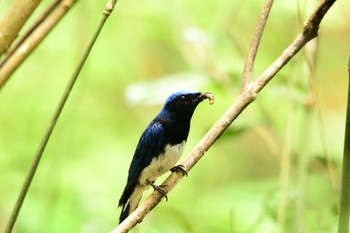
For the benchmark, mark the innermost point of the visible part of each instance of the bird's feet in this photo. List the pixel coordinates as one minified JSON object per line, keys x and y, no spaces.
{"x":159,"y":189}
{"x":179,"y":169}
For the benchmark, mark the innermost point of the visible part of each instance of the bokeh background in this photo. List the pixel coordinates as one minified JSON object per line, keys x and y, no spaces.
{"x":277,"y":169}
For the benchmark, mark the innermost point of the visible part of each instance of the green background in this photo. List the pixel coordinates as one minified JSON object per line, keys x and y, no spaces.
{"x":267,"y":173}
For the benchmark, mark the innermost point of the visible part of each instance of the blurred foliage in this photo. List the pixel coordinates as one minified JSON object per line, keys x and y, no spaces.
{"x":268,"y":173}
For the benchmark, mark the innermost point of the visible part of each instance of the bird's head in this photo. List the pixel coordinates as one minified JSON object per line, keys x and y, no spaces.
{"x":183,"y":103}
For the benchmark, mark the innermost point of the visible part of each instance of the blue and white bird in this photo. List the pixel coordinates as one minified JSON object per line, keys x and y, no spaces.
{"x":160,"y":147}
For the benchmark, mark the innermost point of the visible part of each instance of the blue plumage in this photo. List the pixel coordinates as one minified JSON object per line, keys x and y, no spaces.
{"x":159,"y":147}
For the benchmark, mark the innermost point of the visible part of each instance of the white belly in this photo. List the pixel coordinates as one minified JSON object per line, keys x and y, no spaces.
{"x":163,"y":163}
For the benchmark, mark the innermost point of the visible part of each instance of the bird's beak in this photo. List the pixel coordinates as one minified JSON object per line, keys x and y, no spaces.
{"x":207,"y":95}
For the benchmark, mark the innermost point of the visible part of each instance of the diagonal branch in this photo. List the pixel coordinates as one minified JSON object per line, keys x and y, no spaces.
{"x":248,"y":95}
{"x":36,"y":24}
{"x":17,"y":57}
{"x":12,"y":22}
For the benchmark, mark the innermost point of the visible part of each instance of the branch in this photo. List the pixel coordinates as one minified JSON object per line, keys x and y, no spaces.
{"x":32,"y":41}
{"x":248,"y":67}
{"x":36,"y":24}
{"x":13,"y":21}
{"x":248,"y":95}
{"x":344,"y":207}
{"x":45,"y":139}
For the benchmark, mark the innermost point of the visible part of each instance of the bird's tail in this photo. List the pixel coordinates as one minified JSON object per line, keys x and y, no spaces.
{"x":125,"y":212}
{"x":130,"y":204}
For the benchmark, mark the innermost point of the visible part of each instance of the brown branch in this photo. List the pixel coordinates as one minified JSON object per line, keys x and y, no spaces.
{"x":249,"y":64}
{"x":309,"y":32}
{"x":32,"y":41}
{"x":246,"y":97}
{"x":36,"y":24}
{"x":13,"y":21}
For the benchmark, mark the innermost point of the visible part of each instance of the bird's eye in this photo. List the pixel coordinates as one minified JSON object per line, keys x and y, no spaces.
{"x":183,"y":97}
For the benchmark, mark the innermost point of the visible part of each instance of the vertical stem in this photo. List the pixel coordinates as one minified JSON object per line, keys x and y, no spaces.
{"x":301,"y":172}
{"x":285,"y":168}
{"x":36,"y":24}
{"x":343,"y":224}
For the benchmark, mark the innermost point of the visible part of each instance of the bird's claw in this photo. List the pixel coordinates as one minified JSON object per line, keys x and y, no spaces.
{"x":179,"y":169}
{"x":159,"y":189}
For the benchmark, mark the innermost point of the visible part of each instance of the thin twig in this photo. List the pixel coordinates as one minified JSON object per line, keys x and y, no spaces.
{"x":249,"y":64}
{"x":249,"y":94}
{"x":344,"y":209}
{"x":35,"y":163}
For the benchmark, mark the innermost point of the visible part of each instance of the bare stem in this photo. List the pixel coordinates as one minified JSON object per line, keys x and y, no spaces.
{"x":344,"y":209}
{"x":13,"y":21}
{"x":33,"y":40}
{"x":249,"y":64}
{"x":36,"y":24}
{"x":285,"y":164}
{"x":246,"y":97}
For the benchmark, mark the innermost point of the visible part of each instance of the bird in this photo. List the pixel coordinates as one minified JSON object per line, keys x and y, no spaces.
{"x":160,"y":147}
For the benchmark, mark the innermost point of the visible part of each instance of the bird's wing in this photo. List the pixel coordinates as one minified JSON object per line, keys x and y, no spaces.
{"x":151,"y":144}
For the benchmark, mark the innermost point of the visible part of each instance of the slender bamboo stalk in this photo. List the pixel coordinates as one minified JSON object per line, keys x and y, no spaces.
{"x":36,"y":24}
{"x":344,"y":209}
{"x":37,"y":157}
{"x":13,"y":21}
{"x":33,"y":40}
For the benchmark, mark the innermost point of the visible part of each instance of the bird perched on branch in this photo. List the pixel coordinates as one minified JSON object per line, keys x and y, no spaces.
{"x":160,"y":147}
